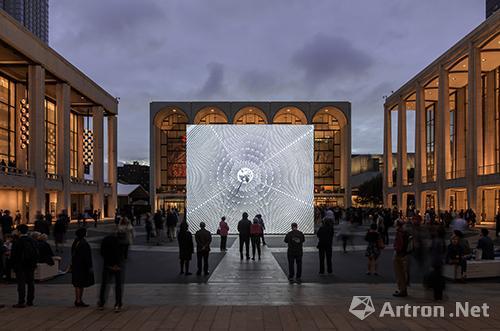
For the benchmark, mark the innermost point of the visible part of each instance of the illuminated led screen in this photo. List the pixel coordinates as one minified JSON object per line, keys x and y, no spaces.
{"x":258,"y":169}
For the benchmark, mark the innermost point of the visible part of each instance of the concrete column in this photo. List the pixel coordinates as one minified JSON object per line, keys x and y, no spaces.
{"x":387,"y":155}
{"x":98,"y":162}
{"x":63,"y":111}
{"x":419,"y":142}
{"x":442,"y":146}
{"x":346,"y":163}
{"x":402,"y":145}
{"x":474,"y":146}
{"x":112,"y":163}
{"x":489,"y":125}
{"x":36,"y":100}
{"x":152,"y":159}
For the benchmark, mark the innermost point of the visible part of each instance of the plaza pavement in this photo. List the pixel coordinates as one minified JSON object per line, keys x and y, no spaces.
{"x":248,"y":295}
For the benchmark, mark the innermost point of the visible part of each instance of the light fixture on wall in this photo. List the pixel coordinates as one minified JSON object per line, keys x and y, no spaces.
{"x":24,"y":127}
{"x":88,"y":147}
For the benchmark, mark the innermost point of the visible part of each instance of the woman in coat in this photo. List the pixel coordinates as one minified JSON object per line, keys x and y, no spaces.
{"x":81,"y":266}
{"x":223,"y":232}
{"x":186,"y":248}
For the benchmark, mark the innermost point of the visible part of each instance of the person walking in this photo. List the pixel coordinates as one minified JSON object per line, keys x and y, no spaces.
{"x":148,"y":224}
{"x":263,"y":226}
{"x":223,"y":232}
{"x":295,"y":240}
{"x":126,"y":228}
{"x":82,"y":274}
{"x":203,"y":240}
{"x":438,"y":251}
{"x":114,"y":255}
{"x":375,"y":244}
{"x":24,"y":256}
{"x":244,"y":232}
{"x":59,"y":232}
{"x":186,"y":249}
{"x":400,"y":260}
{"x":255,"y":233}
{"x":17,"y":220}
{"x":158,"y":220}
{"x":95,"y":217}
{"x":325,"y":242}
{"x":345,"y":233}
{"x":171,"y":224}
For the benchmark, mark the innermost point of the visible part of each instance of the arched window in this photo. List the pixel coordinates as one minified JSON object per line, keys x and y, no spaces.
{"x":290,"y":115}
{"x":250,"y":115}
{"x":210,"y":115}
{"x":327,"y":152}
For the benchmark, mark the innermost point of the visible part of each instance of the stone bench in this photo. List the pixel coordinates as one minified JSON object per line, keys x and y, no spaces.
{"x":475,"y":269}
{"x":44,"y":271}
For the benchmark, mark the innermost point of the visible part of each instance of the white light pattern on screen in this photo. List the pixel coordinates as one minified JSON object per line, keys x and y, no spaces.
{"x":258,"y":169}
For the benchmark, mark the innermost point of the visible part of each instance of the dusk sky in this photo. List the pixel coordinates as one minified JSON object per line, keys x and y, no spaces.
{"x":186,"y":50}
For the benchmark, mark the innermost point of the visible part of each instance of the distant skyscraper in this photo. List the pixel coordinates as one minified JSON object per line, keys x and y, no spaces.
{"x":33,"y":14}
{"x":491,"y":7}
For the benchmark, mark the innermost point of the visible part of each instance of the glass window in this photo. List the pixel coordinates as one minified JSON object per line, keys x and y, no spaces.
{"x":73,"y":144}
{"x":326,"y":152}
{"x":173,"y":153}
{"x":50,"y":137}
{"x":7,"y":122}
{"x":429,"y":140}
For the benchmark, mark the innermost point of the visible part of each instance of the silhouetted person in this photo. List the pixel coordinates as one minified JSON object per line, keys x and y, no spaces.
{"x":263,"y":226}
{"x":24,"y":256}
{"x":113,"y":253}
{"x":400,"y":260}
{"x":485,"y":244}
{"x":244,"y":231}
{"x":186,"y":248}
{"x":203,"y":240}
{"x":325,"y":242}
{"x":438,"y":252}
{"x":60,"y":230}
{"x":6,"y":223}
{"x":223,"y":232}
{"x":295,"y":239}
{"x":41,"y":224}
{"x":82,"y":274}
{"x":256,"y":232}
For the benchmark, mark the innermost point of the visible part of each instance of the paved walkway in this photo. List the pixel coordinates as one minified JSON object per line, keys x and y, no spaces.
{"x":232,"y":269}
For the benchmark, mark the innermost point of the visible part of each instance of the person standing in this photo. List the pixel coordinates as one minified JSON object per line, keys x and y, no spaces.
{"x":438,"y":252}
{"x":255,"y":233}
{"x":244,"y":231}
{"x":95,"y":216}
{"x":171,"y":224}
{"x":263,"y":226}
{"x":186,"y":249}
{"x":82,"y":274}
{"x":497,"y":223}
{"x":375,"y":244}
{"x":6,"y":223}
{"x":203,"y":240}
{"x":17,"y":220}
{"x":24,"y":256}
{"x":148,"y":224}
{"x":126,"y":228}
{"x":113,"y":253}
{"x":400,"y":261}
{"x":325,"y":242}
{"x":295,"y":240}
{"x":223,"y":232}
{"x":485,"y":244}
{"x":41,"y":224}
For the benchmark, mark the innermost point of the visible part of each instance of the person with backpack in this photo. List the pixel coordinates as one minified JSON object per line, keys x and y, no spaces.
{"x":400,"y":261}
{"x":295,"y":239}
{"x":24,"y":256}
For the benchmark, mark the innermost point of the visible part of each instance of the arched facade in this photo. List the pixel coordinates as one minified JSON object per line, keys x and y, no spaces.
{"x":250,"y":115}
{"x":332,"y":143}
{"x":290,"y":115}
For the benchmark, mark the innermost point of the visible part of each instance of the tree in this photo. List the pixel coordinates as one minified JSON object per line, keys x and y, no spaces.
{"x":371,"y":191}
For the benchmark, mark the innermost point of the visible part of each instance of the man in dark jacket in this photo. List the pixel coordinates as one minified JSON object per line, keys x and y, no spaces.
{"x":113,"y":252}
{"x":400,"y":260}
{"x":6,"y":223}
{"x":325,"y":242}
{"x":203,"y":239}
{"x":295,"y":239}
{"x":24,"y":255}
{"x":244,"y":230}
{"x":41,"y":224}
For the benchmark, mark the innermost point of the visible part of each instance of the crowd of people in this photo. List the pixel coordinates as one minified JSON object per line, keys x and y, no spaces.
{"x":421,"y":238}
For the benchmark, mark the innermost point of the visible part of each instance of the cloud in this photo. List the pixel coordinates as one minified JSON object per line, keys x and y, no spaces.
{"x":326,"y":57}
{"x":213,"y":87}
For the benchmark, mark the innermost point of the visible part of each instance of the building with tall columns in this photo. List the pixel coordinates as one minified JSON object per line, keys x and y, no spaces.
{"x":52,"y":124}
{"x":332,"y":143}
{"x":457,"y":129}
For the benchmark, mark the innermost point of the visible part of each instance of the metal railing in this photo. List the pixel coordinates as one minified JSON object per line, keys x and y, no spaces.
{"x":428,"y":179}
{"x":52,"y":176}
{"x":455,"y":174}
{"x":83,"y":181}
{"x":13,"y":171}
{"x":489,"y":169}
